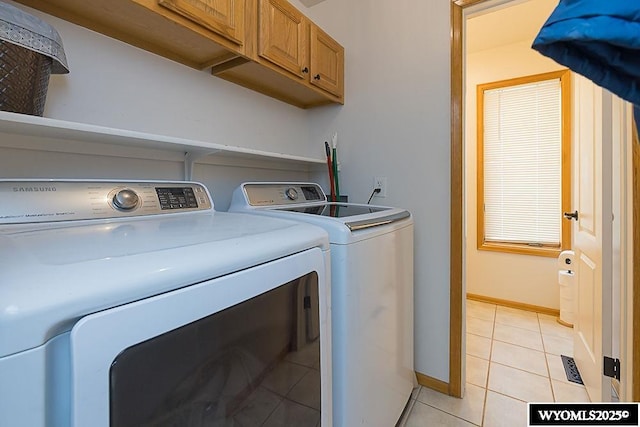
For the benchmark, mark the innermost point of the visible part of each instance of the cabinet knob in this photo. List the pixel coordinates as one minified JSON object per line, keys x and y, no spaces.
{"x":316,"y":77}
{"x":305,"y":70}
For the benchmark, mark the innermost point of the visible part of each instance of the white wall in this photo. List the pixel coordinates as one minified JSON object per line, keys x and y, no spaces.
{"x":520,"y":278}
{"x":114,"y":84}
{"x":396,"y":123}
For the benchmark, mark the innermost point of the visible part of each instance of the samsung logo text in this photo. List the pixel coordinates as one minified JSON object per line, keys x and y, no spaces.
{"x":34,"y":189}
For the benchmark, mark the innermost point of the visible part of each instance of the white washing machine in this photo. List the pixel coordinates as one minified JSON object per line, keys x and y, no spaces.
{"x":372,"y":295}
{"x":135,"y":303}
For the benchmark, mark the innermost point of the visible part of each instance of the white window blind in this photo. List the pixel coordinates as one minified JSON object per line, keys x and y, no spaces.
{"x":522,"y":149}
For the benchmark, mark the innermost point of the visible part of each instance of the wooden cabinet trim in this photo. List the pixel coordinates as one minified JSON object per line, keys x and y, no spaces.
{"x":287,"y":50}
{"x":333,"y":79}
{"x":230,"y":26}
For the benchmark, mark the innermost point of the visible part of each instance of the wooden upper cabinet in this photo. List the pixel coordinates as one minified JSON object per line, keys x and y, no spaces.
{"x":327,"y":62}
{"x":287,"y":39}
{"x":224,"y":17}
{"x":197,"y":33}
{"x":283,"y":36}
{"x":265,"y":45}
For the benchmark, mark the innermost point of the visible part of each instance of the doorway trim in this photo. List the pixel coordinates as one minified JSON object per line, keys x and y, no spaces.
{"x":456,"y":292}
{"x":635,"y":250}
{"x":456,"y":295}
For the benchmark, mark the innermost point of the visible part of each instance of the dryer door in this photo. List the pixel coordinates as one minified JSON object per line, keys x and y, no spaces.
{"x":237,"y":348}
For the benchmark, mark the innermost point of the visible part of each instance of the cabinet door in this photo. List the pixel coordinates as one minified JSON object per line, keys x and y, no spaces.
{"x":283,"y":36}
{"x":327,"y":62}
{"x":224,"y":17}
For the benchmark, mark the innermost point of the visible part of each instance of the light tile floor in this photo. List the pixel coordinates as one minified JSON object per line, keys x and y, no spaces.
{"x":513,"y":357}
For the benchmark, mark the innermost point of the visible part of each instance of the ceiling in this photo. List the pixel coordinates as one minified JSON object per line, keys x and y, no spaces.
{"x":507,"y":25}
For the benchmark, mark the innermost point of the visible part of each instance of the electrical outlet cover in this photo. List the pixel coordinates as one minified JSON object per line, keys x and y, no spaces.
{"x":381,"y":183}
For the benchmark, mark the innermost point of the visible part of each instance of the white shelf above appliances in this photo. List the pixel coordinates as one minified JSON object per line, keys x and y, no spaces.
{"x":40,"y":133}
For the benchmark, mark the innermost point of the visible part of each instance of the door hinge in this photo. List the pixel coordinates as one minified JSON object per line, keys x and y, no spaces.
{"x":612,"y":367}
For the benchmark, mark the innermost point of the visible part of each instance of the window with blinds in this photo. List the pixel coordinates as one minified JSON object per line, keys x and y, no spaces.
{"x":523,"y":162}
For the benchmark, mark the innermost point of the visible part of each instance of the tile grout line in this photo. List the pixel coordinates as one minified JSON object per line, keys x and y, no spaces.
{"x":545,"y":352}
{"x":486,"y":383}
{"x":548,"y":376}
{"x":521,"y":370}
{"x":450,"y":414}
{"x":519,"y":345}
{"x":546,"y":361}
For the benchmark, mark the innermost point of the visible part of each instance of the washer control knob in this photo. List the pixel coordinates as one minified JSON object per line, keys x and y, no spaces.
{"x":291,"y":194}
{"x":125,"y":200}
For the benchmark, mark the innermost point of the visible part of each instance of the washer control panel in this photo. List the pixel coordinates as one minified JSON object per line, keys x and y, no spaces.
{"x":125,"y":200}
{"x":30,"y":201}
{"x":282,"y":193}
{"x":291,"y":193}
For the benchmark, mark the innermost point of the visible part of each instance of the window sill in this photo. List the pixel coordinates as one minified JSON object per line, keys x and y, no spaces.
{"x":521,"y":249}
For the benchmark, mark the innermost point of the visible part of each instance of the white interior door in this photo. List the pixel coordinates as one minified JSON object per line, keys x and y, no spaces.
{"x":592,"y":233}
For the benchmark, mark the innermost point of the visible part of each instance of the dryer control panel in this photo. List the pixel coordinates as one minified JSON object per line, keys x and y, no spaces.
{"x":33,"y":201}
{"x":282,"y":193}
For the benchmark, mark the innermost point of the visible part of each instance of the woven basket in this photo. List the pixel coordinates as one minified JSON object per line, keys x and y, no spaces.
{"x":24,"y":79}
{"x":30,"y":51}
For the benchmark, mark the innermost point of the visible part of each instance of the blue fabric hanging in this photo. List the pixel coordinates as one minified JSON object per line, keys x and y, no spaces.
{"x":599,"y":39}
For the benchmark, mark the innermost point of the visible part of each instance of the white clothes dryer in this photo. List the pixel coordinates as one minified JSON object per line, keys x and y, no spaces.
{"x":371,"y":293}
{"x":135,"y":303}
